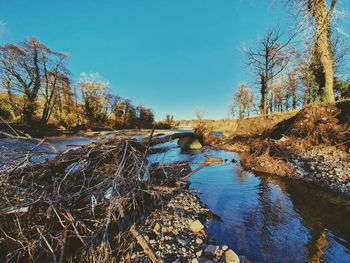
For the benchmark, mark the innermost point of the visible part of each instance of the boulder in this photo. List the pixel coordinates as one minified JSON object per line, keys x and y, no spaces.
{"x":189,"y":143}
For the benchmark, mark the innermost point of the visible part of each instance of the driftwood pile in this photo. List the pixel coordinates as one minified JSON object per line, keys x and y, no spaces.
{"x":83,"y":206}
{"x":75,"y":208}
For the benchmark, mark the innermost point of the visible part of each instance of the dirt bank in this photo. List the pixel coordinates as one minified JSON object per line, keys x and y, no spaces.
{"x":313,"y":145}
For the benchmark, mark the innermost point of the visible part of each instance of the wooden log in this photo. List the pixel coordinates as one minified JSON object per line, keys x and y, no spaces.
{"x":145,"y":246}
{"x":194,"y":171}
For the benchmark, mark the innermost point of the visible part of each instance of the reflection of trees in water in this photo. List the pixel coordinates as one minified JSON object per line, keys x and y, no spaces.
{"x":316,"y":246}
{"x":263,"y":223}
{"x":242,"y":174}
{"x":286,"y":221}
{"x":320,"y":210}
{"x":269,"y":217}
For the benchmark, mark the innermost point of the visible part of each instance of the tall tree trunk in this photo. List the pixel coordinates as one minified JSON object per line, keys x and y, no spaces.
{"x":322,"y":19}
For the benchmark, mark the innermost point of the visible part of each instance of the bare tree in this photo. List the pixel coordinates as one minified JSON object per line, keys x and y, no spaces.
{"x":55,"y":81}
{"x":268,"y":61}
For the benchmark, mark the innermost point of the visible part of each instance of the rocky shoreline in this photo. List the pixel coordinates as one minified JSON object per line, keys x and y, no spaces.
{"x":176,"y":233}
{"x":326,"y":166}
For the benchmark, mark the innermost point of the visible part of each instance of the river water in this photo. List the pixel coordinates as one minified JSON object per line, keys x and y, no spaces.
{"x":265,"y":218}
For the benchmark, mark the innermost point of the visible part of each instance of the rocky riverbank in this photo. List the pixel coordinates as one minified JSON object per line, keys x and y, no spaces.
{"x":326,"y":166}
{"x":177,"y":233}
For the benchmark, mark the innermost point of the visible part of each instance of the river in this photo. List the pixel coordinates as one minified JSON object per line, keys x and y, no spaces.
{"x":265,"y":218}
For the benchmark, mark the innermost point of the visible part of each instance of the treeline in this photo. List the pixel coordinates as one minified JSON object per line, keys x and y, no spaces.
{"x":36,"y":90}
{"x":305,"y":67}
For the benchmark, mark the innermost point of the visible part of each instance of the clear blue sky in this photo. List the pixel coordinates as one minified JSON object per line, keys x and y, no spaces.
{"x":171,"y":55}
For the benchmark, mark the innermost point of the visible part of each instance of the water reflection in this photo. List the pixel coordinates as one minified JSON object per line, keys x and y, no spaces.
{"x":327,"y":217}
{"x":273,"y":220}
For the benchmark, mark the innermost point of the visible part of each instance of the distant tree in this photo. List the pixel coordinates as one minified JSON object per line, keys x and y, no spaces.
{"x":291,"y":88}
{"x":243,"y":100}
{"x":95,"y":97}
{"x":126,"y":114}
{"x":169,"y":120}
{"x":145,"y":117}
{"x":199,"y":114}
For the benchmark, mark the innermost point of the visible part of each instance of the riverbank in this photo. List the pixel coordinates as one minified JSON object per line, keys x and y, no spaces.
{"x":313,"y":145}
{"x":177,"y":233}
{"x":327,"y":166}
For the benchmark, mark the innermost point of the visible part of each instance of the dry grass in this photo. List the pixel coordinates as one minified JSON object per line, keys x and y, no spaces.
{"x":317,"y":124}
{"x":254,"y":126}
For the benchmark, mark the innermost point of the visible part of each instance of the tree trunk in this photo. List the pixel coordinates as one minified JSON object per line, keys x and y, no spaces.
{"x":240,"y":108}
{"x":263,"y":95}
{"x":29,"y":111}
{"x":322,"y":21}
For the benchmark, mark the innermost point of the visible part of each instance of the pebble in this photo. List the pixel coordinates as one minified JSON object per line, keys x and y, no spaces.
{"x":199,"y":241}
{"x":196,"y":226}
{"x":210,"y":250}
{"x":156,"y":227}
{"x":182,"y":242}
{"x":199,"y":253}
